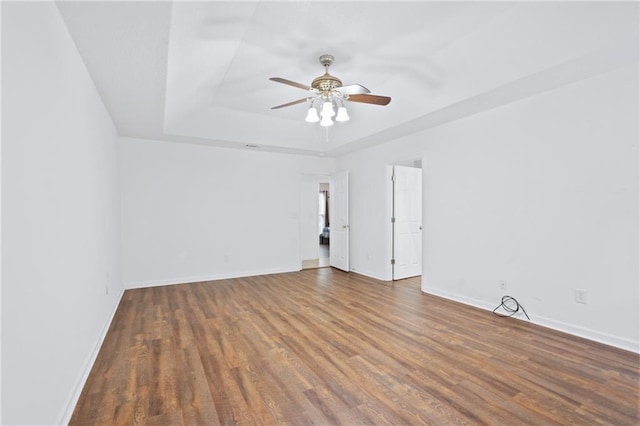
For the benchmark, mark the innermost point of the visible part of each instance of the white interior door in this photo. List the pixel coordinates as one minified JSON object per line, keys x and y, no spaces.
{"x":407,"y":235}
{"x":339,"y":217}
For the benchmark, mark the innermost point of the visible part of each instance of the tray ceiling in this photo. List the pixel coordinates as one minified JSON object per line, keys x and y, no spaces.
{"x":197,"y":72}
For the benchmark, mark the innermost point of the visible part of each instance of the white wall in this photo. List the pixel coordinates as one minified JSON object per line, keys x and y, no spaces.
{"x":370,"y":204}
{"x":542,"y":193}
{"x":193,"y":212}
{"x":59,"y":217}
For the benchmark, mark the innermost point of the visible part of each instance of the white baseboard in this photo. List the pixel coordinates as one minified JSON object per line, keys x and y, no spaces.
{"x":212,"y":277}
{"x":596,"y":336}
{"x":65,"y":415}
{"x":459,"y":298}
{"x":368,"y":274}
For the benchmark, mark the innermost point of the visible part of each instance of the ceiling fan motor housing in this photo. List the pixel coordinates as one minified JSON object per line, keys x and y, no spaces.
{"x":326,"y":83}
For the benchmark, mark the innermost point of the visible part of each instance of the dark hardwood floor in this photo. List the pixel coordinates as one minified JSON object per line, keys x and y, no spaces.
{"x":326,"y":347}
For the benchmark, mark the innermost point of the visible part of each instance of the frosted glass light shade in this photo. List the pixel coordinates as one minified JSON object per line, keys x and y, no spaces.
{"x":326,"y":121}
{"x":342,"y":114}
{"x":312,"y":115}
{"x":327,"y":110}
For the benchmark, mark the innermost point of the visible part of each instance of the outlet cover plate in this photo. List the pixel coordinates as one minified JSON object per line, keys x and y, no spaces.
{"x":581,"y":295}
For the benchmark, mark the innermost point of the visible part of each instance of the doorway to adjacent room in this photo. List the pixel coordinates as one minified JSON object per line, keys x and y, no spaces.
{"x":324,"y":229}
{"x":316,"y":214}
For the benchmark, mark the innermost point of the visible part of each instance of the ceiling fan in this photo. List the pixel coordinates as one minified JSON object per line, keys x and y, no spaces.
{"x":327,"y":93}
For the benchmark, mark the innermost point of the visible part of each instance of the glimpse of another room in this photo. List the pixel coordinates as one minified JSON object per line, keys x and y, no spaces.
{"x":323,"y":224}
{"x":322,"y":234}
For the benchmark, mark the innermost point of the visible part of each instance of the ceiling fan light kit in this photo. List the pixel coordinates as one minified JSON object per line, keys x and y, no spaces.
{"x":328,"y":94}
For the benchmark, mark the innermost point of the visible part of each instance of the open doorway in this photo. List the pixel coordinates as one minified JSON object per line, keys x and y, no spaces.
{"x":315,"y":222}
{"x":324,"y":224}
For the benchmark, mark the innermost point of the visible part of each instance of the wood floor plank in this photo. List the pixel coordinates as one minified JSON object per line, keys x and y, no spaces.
{"x":322,"y":346}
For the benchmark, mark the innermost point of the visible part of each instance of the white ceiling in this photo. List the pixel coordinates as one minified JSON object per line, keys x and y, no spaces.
{"x":198,"y":72}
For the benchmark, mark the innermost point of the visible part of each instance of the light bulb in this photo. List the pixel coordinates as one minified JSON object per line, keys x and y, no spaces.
{"x":326,"y":121}
{"x":327,"y":110}
{"x":342,"y":114}
{"x":312,"y":115}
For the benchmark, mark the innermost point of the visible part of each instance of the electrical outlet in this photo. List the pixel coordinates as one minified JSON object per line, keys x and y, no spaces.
{"x":581,"y":295}
{"x":503,"y":284}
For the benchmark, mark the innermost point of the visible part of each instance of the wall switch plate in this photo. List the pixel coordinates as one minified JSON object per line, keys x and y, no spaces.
{"x":581,"y":295}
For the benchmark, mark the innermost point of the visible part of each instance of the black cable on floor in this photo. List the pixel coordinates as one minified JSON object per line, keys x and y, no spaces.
{"x":511,"y":306}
